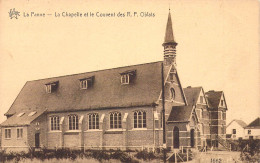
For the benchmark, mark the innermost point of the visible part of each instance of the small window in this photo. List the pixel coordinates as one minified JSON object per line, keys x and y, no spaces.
{"x":32,"y":113}
{"x":139,"y":119}
{"x":93,"y":121}
{"x":86,"y":82}
{"x":171,"y":76}
{"x":128,"y":77}
{"x":172,"y":93}
{"x":125,"y":79}
{"x":20,"y":114}
{"x":222,"y":102}
{"x":234,"y":131}
{"x":115,"y":120}
{"x":51,"y":87}
{"x":249,"y":132}
{"x":19,"y":133}
{"x":55,"y":123}
{"x":73,"y":122}
{"x":201,"y":99}
{"x":7,"y":133}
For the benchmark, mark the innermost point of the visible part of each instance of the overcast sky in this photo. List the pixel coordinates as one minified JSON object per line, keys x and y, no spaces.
{"x":218,"y":44}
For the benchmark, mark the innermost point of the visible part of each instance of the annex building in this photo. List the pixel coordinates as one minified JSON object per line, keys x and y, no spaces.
{"x":116,"y":108}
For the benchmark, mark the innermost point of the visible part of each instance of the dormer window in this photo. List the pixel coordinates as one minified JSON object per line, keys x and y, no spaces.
{"x":86,"y":82}
{"x":128,"y":77}
{"x":125,"y":79}
{"x":51,"y":87}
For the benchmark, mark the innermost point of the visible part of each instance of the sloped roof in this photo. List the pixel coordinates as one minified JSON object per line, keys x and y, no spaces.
{"x":25,"y":119}
{"x":180,"y":113}
{"x":240,"y":122}
{"x":213,"y":98}
{"x":192,"y":94}
{"x":254,"y":124}
{"x":106,"y":92}
{"x":169,"y":38}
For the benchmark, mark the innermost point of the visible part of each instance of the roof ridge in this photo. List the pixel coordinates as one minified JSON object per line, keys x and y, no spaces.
{"x":95,"y":71}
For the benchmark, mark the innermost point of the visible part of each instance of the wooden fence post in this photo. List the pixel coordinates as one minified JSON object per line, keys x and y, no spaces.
{"x":187,"y":154}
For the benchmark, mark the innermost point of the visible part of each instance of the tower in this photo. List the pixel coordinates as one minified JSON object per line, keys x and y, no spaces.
{"x":169,"y":44}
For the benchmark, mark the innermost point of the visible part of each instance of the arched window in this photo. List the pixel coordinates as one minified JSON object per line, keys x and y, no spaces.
{"x":93,"y":121}
{"x":139,"y":119}
{"x":115,"y":120}
{"x":73,"y":122}
{"x":172,"y":93}
{"x":55,"y":123}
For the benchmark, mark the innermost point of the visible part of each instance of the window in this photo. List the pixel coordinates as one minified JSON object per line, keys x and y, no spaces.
{"x":172,"y":93}
{"x":19,"y":133}
{"x":201,"y":99}
{"x":83,"y":84}
{"x":86,"y":82}
{"x":127,"y":77}
{"x":8,"y":133}
{"x":249,"y":132}
{"x":139,"y":119}
{"x":73,"y":122}
{"x":93,"y":121}
{"x":51,"y":87}
{"x":234,"y":131}
{"x":171,"y":76}
{"x":222,"y":102}
{"x":115,"y":120}
{"x":55,"y":123}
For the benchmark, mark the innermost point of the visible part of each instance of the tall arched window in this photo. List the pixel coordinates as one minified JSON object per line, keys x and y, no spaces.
{"x":172,"y":93}
{"x":55,"y":120}
{"x":139,"y":119}
{"x":93,"y":121}
{"x":73,"y":122}
{"x":115,"y":120}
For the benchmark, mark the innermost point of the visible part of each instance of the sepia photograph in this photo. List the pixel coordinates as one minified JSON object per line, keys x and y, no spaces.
{"x":129,"y":81}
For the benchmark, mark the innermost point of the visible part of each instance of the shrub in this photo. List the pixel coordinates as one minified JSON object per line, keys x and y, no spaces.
{"x":145,"y":155}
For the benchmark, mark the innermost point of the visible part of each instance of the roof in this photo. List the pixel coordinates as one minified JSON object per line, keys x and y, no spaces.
{"x":213,"y":98}
{"x":192,"y":94}
{"x":180,"y":113}
{"x":24,"y":119}
{"x":254,"y":124}
{"x":240,"y":122}
{"x":106,"y":91}
{"x":169,"y":38}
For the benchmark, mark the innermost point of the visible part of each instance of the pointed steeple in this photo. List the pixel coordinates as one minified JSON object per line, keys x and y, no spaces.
{"x":169,"y":44}
{"x":169,"y":32}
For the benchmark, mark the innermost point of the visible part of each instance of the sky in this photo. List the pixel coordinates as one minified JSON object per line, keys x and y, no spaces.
{"x":218,"y":44}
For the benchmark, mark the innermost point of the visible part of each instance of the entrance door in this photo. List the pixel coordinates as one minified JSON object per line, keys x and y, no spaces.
{"x":37,"y":140}
{"x":192,"y":137}
{"x":176,"y":140}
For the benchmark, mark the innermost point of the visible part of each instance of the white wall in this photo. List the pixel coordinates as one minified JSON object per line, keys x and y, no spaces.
{"x":240,"y":131}
{"x":254,"y":132}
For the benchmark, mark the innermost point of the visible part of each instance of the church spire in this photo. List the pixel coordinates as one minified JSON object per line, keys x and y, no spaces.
{"x":169,"y":43}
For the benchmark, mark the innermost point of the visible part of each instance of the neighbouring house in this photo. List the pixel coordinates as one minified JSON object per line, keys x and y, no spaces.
{"x":115,"y":108}
{"x":236,"y":129}
{"x":253,"y":129}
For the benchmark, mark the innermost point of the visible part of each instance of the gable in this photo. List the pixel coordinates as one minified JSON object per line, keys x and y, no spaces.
{"x":173,"y":89}
{"x":222,"y":101}
{"x":201,"y":98}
